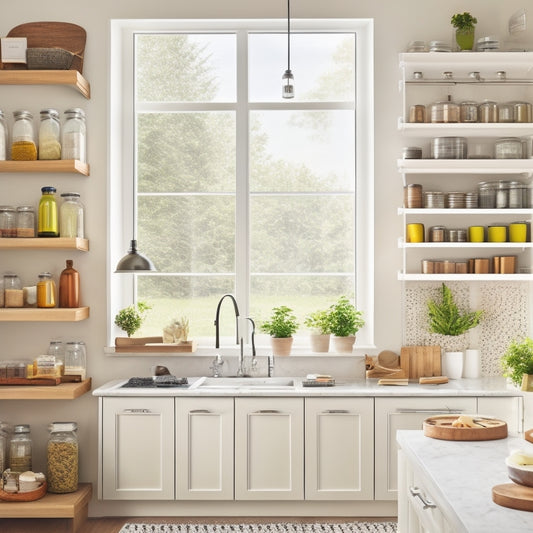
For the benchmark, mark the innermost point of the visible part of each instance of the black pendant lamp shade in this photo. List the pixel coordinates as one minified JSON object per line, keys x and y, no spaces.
{"x":134,"y":261}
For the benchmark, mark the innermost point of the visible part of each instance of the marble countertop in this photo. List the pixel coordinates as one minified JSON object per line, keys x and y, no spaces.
{"x":461,"y":476}
{"x":491,"y":386}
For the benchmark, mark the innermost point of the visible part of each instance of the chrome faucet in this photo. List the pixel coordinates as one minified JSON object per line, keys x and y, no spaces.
{"x":241,"y":371}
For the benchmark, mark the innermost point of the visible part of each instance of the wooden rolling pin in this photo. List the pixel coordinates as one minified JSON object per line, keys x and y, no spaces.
{"x":433,"y":380}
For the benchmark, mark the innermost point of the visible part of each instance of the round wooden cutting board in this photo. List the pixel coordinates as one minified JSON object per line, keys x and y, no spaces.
{"x":514,"y":496}
{"x":440,"y":427}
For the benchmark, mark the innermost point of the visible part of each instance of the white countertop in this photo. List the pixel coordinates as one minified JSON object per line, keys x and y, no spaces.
{"x":462,"y":475}
{"x":493,"y":386}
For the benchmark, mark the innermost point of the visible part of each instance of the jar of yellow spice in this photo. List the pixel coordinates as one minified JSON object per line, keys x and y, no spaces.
{"x":23,"y":146}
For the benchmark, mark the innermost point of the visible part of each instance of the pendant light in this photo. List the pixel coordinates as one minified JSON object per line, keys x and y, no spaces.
{"x":134,"y":261}
{"x":287,"y":88}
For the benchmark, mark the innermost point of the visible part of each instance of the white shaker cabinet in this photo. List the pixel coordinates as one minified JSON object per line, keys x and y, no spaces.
{"x":204,"y":448}
{"x":392,"y":414}
{"x":137,"y":448}
{"x":339,"y":448}
{"x":269,"y":448}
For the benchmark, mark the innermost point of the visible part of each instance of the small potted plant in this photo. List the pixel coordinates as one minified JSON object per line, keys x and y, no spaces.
{"x":517,"y":363}
{"x":345,"y":321}
{"x":445,"y":318}
{"x":465,"y":25}
{"x":318,"y":323}
{"x":281,"y":326}
{"x":130,"y":319}
{"x":177,"y":332}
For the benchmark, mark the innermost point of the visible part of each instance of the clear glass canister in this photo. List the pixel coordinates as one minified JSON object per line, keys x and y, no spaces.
{"x":46,"y":290}
{"x":508,"y":148}
{"x":57,"y":349}
{"x":468,"y":112}
{"x":74,"y":135}
{"x":8,"y":221}
{"x":62,"y":455}
{"x":3,"y":137}
{"x":20,"y":449}
{"x":25,"y":221}
{"x":49,"y":135}
{"x":487,"y":194}
{"x":75,"y":359}
{"x":23,"y":147}
{"x":13,"y":294}
{"x":446,"y":111}
{"x":71,"y":219}
{"x":48,"y":220}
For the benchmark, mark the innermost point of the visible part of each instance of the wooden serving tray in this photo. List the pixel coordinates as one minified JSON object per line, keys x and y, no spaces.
{"x":23,"y":496}
{"x":151,"y":345}
{"x":513,"y":496}
{"x":26,"y":381}
{"x":440,"y":427}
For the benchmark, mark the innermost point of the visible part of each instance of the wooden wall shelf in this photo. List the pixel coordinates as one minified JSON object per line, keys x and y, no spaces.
{"x":60,"y":243}
{"x":63,"y":391}
{"x":46,"y":77}
{"x":43,"y":315}
{"x":57,"y":165}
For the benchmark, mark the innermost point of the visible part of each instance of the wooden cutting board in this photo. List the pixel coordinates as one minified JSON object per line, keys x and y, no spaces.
{"x":64,"y":35}
{"x":440,"y":427}
{"x":423,"y":361}
{"x":513,"y":496}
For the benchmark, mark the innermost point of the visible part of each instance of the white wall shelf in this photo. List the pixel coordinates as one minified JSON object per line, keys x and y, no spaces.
{"x":448,"y":211}
{"x":463,"y":277}
{"x":466,"y":245}
{"x":467,"y":166}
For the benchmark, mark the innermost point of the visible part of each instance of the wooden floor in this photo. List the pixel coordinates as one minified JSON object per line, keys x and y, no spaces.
{"x":114,"y":524}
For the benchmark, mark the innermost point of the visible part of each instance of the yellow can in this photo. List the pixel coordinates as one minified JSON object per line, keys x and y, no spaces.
{"x":497,"y":233}
{"x":414,"y":233}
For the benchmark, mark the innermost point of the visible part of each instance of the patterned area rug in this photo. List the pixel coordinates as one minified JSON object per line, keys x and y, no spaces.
{"x":351,"y":527}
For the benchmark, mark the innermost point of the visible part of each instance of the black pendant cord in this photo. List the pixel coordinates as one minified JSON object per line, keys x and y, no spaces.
{"x":289,"y":35}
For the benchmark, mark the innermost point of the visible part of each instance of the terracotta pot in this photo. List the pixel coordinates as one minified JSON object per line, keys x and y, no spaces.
{"x":281,"y":345}
{"x":320,"y":343}
{"x":343,"y":344}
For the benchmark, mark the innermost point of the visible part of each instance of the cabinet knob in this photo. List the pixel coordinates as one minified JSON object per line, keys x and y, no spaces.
{"x":426,"y":502}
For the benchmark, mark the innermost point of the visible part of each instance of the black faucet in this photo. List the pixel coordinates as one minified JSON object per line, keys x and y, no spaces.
{"x":217,"y":319}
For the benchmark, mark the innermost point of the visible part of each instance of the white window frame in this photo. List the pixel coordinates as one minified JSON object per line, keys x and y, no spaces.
{"x":121,"y":137}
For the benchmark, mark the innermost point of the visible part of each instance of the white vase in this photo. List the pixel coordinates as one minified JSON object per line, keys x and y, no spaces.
{"x":452,"y":364}
{"x":472,"y":364}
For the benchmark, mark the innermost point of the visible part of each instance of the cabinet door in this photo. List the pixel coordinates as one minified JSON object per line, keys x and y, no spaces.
{"x":339,"y":448}
{"x":138,"y":448}
{"x":204,"y":448}
{"x":269,"y":459}
{"x":393,"y":414}
{"x":509,"y":409}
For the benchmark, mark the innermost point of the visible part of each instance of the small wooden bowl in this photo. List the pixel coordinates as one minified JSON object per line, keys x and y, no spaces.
{"x":23,"y":496}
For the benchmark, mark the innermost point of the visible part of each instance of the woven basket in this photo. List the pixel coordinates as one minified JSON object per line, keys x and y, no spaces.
{"x":48,"y":59}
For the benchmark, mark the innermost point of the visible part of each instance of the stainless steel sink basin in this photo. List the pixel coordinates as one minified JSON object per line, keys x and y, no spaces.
{"x":246,"y":383}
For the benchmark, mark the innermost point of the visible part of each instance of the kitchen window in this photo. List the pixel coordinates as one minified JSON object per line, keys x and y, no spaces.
{"x":235,"y":189}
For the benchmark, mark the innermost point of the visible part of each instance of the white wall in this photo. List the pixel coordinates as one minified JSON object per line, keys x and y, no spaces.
{"x":396,"y":23}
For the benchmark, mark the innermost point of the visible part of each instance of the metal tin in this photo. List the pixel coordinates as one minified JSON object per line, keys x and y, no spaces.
{"x":412,"y":152}
{"x":449,"y":148}
{"x":437,"y":234}
{"x":508,"y":148}
{"x":412,"y":196}
{"x":434,"y":199}
{"x":506,"y":112}
{"x":488,"y":111}
{"x":468,"y":112}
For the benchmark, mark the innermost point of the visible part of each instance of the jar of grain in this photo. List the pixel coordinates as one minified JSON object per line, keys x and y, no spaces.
{"x":49,"y":142}
{"x":20,"y":449}
{"x":62,"y":457}
{"x":71,"y":216}
{"x":25,"y":221}
{"x":8,"y":226}
{"x":74,"y":135}
{"x":23,"y":146}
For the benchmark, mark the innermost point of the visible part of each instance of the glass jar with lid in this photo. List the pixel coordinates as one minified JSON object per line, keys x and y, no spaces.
{"x":508,"y":148}
{"x":74,"y":135}
{"x":13,"y":294}
{"x":8,"y":221}
{"x":75,"y":359}
{"x":71,"y":219}
{"x":25,"y":221}
{"x":3,"y":137}
{"x":23,"y":147}
{"x":62,"y":457}
{"x":20,"y":449}
{"x":468,"y":112}
{"x":57,"y":349}
{"x":48,"y":221}
{"x":49,"y":135}
{"x":445,"y":111}
{"x":46,"y":291}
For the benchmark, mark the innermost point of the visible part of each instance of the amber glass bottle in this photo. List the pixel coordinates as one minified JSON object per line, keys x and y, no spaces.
{"x":69,"y":287}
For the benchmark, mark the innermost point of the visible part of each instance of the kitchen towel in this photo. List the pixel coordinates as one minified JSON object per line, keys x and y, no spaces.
{"x":348,"y":527}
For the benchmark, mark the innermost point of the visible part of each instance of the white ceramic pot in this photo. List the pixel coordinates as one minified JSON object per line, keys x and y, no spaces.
{"x":319,"y":343}
{"x":452,"y":364}
{"x":472,"y":364}
{"x":343,"y":344}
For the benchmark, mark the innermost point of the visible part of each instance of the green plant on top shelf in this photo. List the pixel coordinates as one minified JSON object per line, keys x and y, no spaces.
{"x":463,"y":21}
{"x":130,"y":318}
{"x":446,"y":318}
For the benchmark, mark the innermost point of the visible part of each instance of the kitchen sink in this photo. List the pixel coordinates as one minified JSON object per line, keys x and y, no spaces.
{"x":265,"y":383}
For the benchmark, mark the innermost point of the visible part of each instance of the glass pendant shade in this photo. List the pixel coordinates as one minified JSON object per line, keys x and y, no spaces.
{"x":287,"y":88}
{"x":133,"y":261}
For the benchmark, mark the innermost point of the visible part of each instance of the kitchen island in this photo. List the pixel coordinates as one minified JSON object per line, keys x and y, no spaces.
{"x":457,"y":479}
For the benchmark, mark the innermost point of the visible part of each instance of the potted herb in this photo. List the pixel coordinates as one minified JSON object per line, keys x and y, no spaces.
{"x":345,"y":321}
{"x":319,"y":324}
{"x":517,"y":363}
{"x":445,"y":318}
{"x":130,"y":319}
{"x":280,"y":327}
{"x":465,"y":25}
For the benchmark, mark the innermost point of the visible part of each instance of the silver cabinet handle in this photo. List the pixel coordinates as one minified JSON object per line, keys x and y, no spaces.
{"x":336,"y":412}
{"x":267,"y":411}
{"x":136,"y":411}
{"x":417,"y":410}
{"x":426,"y":503}
{"x":196,"y":411}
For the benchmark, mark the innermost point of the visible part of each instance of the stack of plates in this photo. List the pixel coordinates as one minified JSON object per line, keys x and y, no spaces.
{"x":439,"y":46}
{"x":487,"y":44}
{"x":449,"y":148}
{"x":417,"y":46}
{"x":471,"y":200}
{"x":456,"y":200}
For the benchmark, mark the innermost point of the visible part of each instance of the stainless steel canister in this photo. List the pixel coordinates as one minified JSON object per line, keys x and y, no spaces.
{"x":488,"y":111}
{"x":449,"y":148}
{"x":468,"y":112}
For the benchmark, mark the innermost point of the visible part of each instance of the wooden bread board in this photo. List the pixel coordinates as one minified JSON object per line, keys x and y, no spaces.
{"x":440,"y":427}
{"x":422,"y":361}
{"x":513,"y":496}
{"x":34,"y":381}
